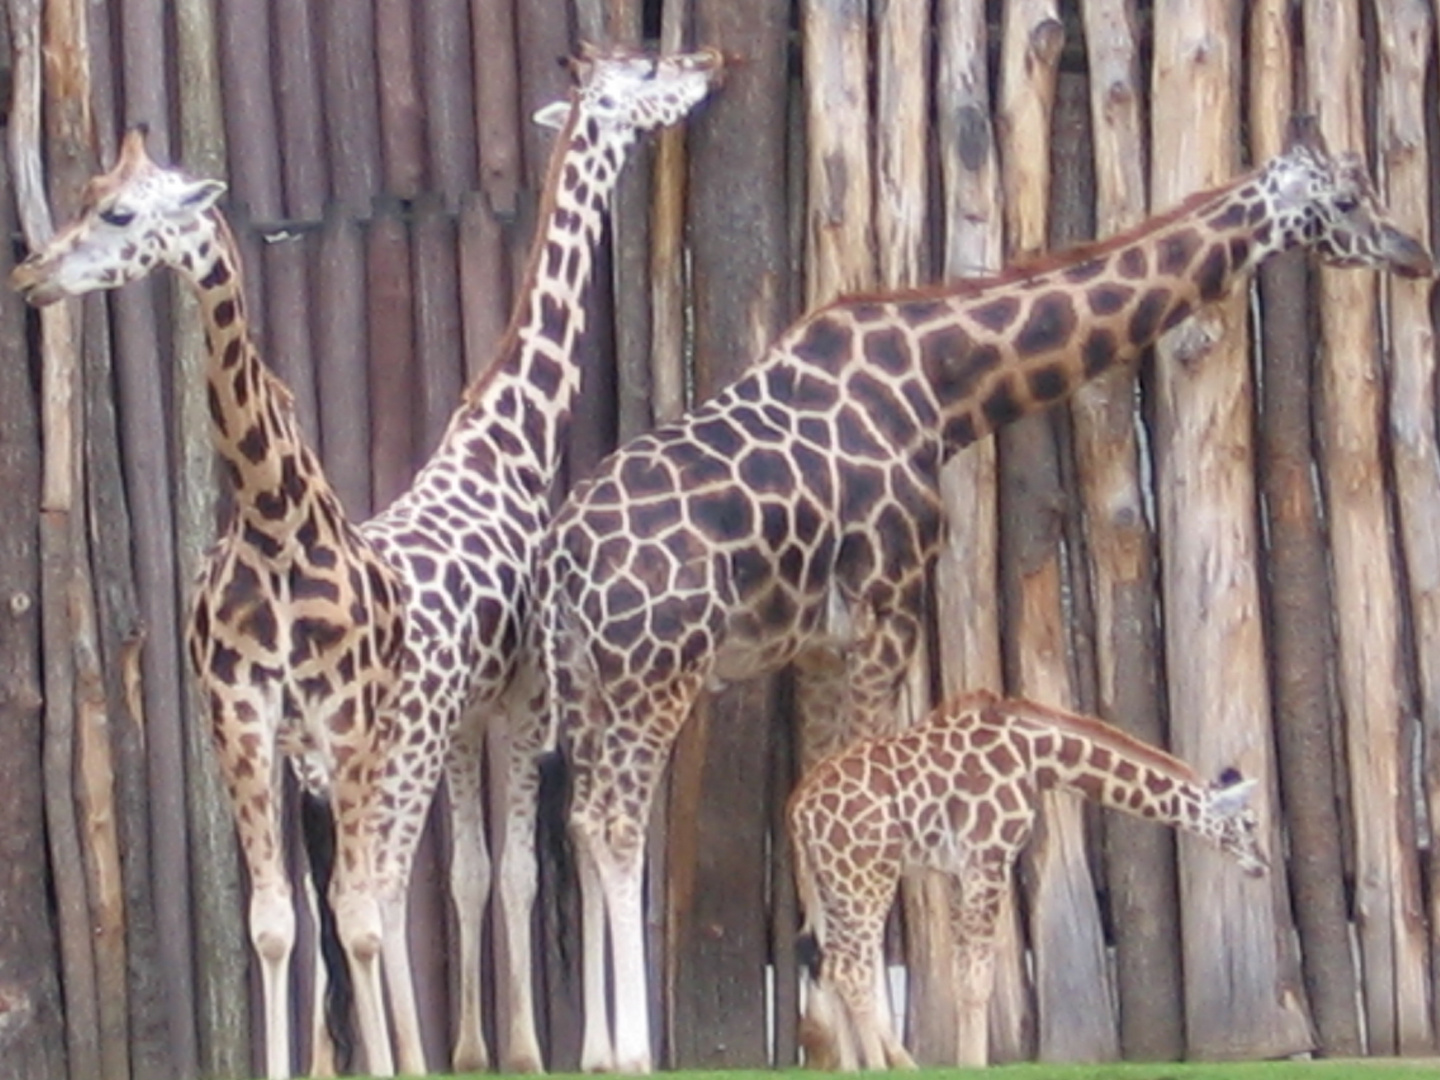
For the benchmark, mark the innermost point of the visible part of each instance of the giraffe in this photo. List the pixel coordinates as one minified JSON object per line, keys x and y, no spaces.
{"x":296,"y":625}
{"x":960,"y":793}
{"x":453,"y":551}
{"x":463,"y":536}
{"x":792,"y":518}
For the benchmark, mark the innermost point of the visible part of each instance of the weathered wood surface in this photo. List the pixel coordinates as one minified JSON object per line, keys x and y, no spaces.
{"x":1406,"y":40}
{"x":967,"y":570}
{"x":1120,"y":544}
{"x":1394,"y":973}
{"x":1299,"y":628}
{"x":1236,"y":930}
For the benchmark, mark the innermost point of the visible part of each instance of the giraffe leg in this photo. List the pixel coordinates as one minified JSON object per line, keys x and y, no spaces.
{"x":406,"y":791}
{"x":469,"y":885}
{"x":622,"y":882}
{"x":975,"y":908}
{"x":322,"y":1046}
{"x":252,"y":781}
{"x":523,"y":738}
{"x":597,"y":1052}
{"x":356,"y":903}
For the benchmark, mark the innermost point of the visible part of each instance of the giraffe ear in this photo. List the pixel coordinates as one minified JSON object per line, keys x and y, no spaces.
{"x":202,"y":194}
{"x":1233,"y":797}
{"x":553,"y":115}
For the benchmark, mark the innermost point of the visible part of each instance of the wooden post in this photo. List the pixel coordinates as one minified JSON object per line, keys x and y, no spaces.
{"x":221,"y":941}
{"x":967,"y":571}
{"x":1395,"y":979}
{"x":35,"y":1047}
{"x":1139,"y":859}
{"x":1237,"y":930}
{"x":1406,"y":43}
{"x":715,"y":870}
{"x":1302,"y":645}
{"x":1075,"y":1020}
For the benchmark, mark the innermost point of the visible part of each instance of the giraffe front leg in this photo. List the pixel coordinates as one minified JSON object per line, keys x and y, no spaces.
{"x":523,"y":739}
{"x":245,"y":745}
{"x":470,"y":878}
{"x":357,"y":908}
{"x":975,"y":909}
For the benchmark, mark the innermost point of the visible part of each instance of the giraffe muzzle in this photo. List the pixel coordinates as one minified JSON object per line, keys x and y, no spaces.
{"x":1406,"y":256}
{"x":30,"y":280}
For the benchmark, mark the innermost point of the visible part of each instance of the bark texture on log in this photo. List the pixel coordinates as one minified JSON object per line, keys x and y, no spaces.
{"x":1237,"y":929}
{"x":1378,"y":718}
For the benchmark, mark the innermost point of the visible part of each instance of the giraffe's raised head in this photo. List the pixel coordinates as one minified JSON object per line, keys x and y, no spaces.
{"x":1233,"y":824}
{"x":626,"y":92}
{"x":1326,"y":202}
{"x":132,"y":219}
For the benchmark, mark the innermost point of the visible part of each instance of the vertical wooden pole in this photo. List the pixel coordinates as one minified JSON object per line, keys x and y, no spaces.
{"x":1406,"y":43}
{"x":1075,"y":1020}
{"x":1237,"y":930}
{"x":1139,"y":859}
{"x":1302,"y":645}
{"x":967,"y":570}
{"x":1395,"y":979}
{"x":715,"y":961}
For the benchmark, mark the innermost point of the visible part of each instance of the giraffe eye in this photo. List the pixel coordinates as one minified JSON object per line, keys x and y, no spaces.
{"x":117,"y":217}
{"x":1346,"y":203}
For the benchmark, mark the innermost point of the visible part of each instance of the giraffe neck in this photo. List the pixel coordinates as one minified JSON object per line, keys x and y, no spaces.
{"x":991,"y":351}
{"x":273,"y":472}
{"x":521,"y":405}
{"x":1111,"y":768}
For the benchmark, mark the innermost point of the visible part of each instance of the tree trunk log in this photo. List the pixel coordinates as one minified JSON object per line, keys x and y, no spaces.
{"x":33,"y":1043}
{"x":1387,"y":893}
{"x":967,"y":570}
{"x":1139,"y":859}
{"x":1302,"y":644}
{"x":1237,"y":931}
{"x":1075,"y":1020}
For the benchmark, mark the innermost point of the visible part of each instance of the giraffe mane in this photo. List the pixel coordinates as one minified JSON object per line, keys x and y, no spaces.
{"x":510,"y":339}
{"x":1033,"y":266}
{"x":1102,"y":734}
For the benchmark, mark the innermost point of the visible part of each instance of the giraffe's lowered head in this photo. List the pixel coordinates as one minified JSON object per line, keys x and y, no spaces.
{"x":132,"y":219}
{"x":1326,"y":202}
{"x":1231,"y":824}
{"x":622,"y":92}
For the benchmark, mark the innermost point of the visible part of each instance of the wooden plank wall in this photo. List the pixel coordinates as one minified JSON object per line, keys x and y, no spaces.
{"x":1235,"y":554}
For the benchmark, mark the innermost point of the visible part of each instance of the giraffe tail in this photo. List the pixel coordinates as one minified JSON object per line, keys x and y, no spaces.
{"x":553,"y":843}
{"x":317,"y":824}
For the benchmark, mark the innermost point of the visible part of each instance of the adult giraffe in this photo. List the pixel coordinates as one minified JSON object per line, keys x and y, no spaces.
{"x":296,"y":626}
{"x":793,"y":517}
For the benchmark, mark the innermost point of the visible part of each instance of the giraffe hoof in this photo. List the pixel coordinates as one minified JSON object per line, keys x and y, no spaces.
{"x":526,"y":1063}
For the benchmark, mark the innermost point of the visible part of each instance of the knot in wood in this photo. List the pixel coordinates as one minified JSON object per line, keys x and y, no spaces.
{"x":20,"y":603}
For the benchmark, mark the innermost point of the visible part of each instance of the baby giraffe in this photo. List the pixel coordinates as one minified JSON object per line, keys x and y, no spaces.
{"x":959,"y":793}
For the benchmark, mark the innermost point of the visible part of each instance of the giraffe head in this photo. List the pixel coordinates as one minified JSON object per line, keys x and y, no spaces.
{"x":1231,"y":824}
{"x":624,"y":93}
{"x":132,"y":219}
{"x":1326,"y":202}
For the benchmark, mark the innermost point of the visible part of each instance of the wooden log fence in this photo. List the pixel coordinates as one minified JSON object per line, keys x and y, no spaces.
{"x":1233,"y":553}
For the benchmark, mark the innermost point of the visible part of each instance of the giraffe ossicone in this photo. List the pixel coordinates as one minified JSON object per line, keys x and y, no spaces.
{"x":959,"y":793}
{"x":793,"y":517}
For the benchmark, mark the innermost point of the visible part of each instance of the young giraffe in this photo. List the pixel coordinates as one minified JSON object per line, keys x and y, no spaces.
{"x":793,"y":517}
{"x":296,"y":626}
{"x":463,"y":538}
{"x":960,"y":793}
